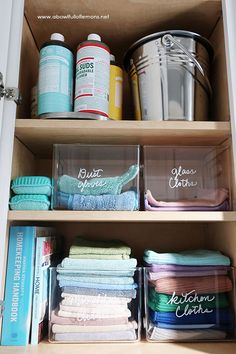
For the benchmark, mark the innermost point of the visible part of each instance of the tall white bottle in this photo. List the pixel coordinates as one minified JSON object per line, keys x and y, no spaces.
{"x":92,"y":76}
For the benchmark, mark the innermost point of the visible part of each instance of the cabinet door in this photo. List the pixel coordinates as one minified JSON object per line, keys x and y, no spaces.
{"x":11,"y":21}
{"x":5,"y":22}
{"x":229,"y":15}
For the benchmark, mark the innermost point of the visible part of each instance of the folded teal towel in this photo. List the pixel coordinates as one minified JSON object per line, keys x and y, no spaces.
{"x":187,"y":258}
{"x":63,"y":283}
{"x":124,"y":201}
{"x":96,"y":186}
{"x":29,"y":202}
{"x":96,"y":279}
{"x":32,"y":185}
{"x":99,"y":264}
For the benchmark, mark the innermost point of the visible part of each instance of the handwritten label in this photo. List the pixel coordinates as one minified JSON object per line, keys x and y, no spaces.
{"x":193,"y":303}
{"x":181,"y":178}
{"x":85,"y":175}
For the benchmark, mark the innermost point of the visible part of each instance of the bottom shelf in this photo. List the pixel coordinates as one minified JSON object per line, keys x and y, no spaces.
{"x":132,"y":348}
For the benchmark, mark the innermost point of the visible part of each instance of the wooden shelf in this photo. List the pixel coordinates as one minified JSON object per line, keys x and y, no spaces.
{"x":121,"y":216}
{"x":131,"y":348}
{"x":39,"y":135}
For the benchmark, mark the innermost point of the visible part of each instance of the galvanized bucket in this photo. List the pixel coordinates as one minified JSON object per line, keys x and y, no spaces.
{"x":169,"y":74}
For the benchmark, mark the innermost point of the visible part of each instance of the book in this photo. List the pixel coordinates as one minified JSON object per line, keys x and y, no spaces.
{"x":45,"y":247}
{"x":19,"y":284}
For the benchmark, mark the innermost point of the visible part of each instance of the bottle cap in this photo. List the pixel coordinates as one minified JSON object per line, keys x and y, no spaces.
{"x":57,"y":37}
{"x":94,"y":37}
{"x":112,"y":57}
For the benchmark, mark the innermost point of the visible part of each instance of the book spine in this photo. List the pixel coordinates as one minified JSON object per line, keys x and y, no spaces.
{"x":44,"y":248}
{"x":18,"y":289}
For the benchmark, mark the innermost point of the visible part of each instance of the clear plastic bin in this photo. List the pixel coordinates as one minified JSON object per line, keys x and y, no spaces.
{"x":187,"y":178}
{"x":96,"y":177}
{"x":95,"y":314}
{"x":189,"y":308}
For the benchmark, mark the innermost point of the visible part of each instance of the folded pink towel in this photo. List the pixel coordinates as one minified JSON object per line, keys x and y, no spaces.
{"x":169,"y":274}
{"x":202,"y":285}
{"x":89,"y":322}
{"x":205,"y":198}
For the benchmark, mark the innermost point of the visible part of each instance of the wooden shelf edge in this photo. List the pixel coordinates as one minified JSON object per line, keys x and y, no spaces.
{"x":121,"y":216}
{"x":131,"y":348}
{"x":39,"y":135}
{"x":186,"y":125}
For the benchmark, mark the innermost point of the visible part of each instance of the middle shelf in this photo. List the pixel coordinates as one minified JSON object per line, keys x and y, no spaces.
{"x":39,"y":135}
{"x":122,"y":216}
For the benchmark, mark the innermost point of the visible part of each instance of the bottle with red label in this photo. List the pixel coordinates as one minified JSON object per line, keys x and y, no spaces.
{"x":92,"y":76}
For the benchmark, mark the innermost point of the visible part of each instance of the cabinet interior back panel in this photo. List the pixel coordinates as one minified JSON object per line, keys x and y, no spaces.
{"x":23,"y":162}
{"x":222,"y":237}
{"x":162,"y":237}
{"x":128,"y":20}
{"x":28,"y":70}
{"x":220,"y":100}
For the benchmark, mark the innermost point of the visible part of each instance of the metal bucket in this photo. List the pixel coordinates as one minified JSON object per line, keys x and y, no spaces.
{"x":169,"y":74}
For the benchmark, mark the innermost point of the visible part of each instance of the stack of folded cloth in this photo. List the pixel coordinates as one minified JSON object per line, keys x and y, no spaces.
{"x":215,"y":200}
{"x":188,"y":295}
{"x":98,"y":291}
{"x":100,"y":193}
{"x":32,"y":193}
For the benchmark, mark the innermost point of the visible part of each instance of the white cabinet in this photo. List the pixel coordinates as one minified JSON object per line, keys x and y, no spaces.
{"x":11,"y":20}
{"x":33,"y":139}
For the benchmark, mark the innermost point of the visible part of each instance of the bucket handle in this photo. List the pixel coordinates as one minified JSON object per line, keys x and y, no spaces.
{"x":169,"y":40}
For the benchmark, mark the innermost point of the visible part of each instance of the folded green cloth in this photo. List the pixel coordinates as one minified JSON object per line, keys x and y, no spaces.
{"x":99,"y":256}
{"x":165,"y":303}
{"x":199,"y":257}
{"x":97,"y":186}
{"x":89,"y":247}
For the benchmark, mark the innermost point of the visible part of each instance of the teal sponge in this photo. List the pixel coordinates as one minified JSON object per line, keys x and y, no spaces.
{"x":32,"y":185}
{"x":30,"y":202}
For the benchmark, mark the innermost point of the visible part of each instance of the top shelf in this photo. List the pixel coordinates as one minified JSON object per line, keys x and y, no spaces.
{"x":39,"y":135}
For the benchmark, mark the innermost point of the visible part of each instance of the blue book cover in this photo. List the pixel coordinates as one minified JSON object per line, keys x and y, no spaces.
{"x":19,"y":285}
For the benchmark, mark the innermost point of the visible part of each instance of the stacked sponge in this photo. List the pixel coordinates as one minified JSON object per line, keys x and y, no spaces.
{"x":31,"y":193}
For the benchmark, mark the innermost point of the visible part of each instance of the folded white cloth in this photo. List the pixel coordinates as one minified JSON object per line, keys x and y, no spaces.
{"x":97,"y":309}
{"x":129,"y":335}
{"x":56,"y":328}
{"x":86,"y":314}
{"x":163,"y":334}
{"x":81,"y":300}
